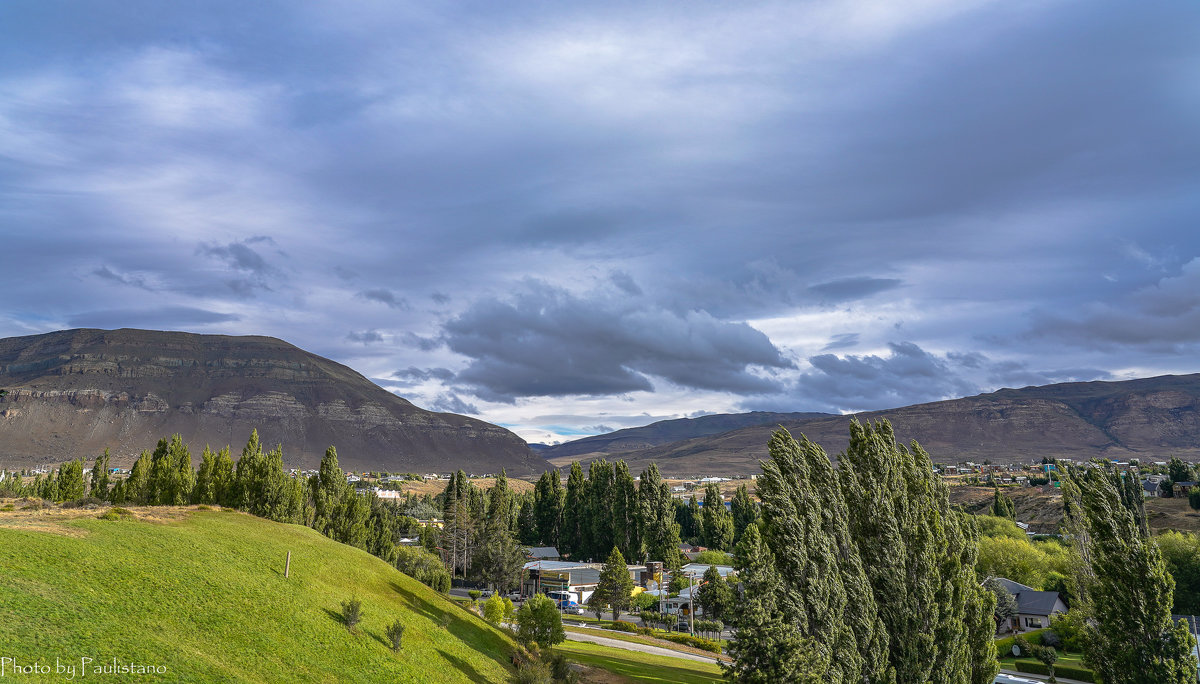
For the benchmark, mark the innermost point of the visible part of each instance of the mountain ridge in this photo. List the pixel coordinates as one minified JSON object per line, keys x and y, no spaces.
{"x":75,"y":392}
{"x":1142,"y":418}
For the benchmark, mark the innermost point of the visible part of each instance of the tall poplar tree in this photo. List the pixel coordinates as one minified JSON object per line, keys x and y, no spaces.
{"x":918,"y":553}
{"x":1125,"y":590}
{"x":718,"y":524}
{"x":744,"y":511}
{"x":826,"y":593}
{"x":767,"y":647}
{"x":660,"y":531}
{"x":548,"y":500}
{"x":571,"y":536}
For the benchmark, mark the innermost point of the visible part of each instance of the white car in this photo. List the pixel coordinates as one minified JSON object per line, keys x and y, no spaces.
{"x":1012,"y":679}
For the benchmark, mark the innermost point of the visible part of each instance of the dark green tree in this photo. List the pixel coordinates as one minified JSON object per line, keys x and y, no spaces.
{"x":100,"y":482}
{"x":715,"y":596}
{"x":205,"y":492}
{"x":548,"y":500}
{"x":575,"y":515}
{"x":1179,"y":471}
{"x":615,"y":586}
{"x":1002,"y":506}
{"x":744,"y":511}
{"x":70,"y":482}
{"x":223,"y":478}
{"x":767,"y":647}
{"x":601,"y":522}
{"x":826,"y":593}
{"x":718,"y":523}
{"x":656,"y":518}
{"x":918,"y":552}
{"x":1125,"y":590}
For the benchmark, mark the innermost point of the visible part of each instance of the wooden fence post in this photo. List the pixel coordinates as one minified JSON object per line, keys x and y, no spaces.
{"x":287,"y":566}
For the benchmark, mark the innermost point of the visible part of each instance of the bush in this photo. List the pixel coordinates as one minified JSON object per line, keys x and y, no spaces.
{"x":534,"y":673}
{"x":560,"y":667}
{"x":1051,"y":639}
{"x":1070,"y":630}
{"x":423,"y":566}
{"x":8,"y":507}
{"x":622,"y":626}
{"x":351,"y":613}
{"x":203,"y":507}
{"x":645,"y":601}
{"x":395,"y":634}
{"x":1079,"y":673}
{"x":474,"y":594}
{"x":694,"y":641}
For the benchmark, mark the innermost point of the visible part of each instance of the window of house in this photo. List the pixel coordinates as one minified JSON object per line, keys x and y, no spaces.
{"x":1033,"y":622}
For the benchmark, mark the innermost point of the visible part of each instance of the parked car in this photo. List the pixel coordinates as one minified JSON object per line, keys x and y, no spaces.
{"x":682,"y":626}
{"x":566,"y":602}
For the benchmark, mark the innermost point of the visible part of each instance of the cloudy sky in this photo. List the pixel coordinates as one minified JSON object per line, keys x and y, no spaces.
{"x":567,"y":218}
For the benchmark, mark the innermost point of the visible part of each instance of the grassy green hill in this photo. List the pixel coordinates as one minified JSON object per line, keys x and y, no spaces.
{"x":202,"y":594}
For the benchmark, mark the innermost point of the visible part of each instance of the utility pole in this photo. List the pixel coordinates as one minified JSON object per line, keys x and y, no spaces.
{"x":691,"y":606}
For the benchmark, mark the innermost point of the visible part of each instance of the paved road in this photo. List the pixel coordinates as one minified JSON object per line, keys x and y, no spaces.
{"x":632,"y":646}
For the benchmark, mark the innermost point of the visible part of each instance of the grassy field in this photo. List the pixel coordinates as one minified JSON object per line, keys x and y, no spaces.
{"x":202,"y":594}
{"x":641,"y":667}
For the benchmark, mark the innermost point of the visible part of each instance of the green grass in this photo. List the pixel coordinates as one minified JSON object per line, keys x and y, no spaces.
{"x":206,"y":598}
{"x":641,"y":667}
{"x":638,"y":639}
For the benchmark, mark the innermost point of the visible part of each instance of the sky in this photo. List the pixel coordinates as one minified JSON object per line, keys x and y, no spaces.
{"x":569,"y":218}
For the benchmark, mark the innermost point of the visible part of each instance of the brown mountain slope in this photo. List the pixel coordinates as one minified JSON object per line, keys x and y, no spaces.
{"x":663,"y":432}
{"x":75,"y":392}
{"x":1146,"y":418}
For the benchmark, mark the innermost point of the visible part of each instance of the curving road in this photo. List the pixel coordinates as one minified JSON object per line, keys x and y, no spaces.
{"x":632,"y":646}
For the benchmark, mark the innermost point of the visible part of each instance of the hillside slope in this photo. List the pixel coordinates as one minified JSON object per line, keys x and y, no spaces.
{"x":204,"y":596}
{"x":76,"y":392}
{"x":664,"y":432}
{"x":1145,"y":418}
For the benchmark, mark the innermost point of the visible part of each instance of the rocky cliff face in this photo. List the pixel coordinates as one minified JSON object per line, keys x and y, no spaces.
{"x":1151,"y":418}
{"x":76,"y":392}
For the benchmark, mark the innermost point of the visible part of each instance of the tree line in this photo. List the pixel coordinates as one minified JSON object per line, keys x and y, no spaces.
{"x":257,"y":484}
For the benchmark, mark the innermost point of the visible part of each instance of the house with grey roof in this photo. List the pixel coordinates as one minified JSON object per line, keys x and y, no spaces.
{"x":1034,"y":608}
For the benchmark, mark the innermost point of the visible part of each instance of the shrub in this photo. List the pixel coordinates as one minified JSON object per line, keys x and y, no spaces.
{"x":35,"y":505}
{"x":1004,"y":646}
{"x":493,"y":609}
{"x":351,"y":613}
{"x":1051,"y":639}
{"x":622,"y":626}
{"x":203,"y":507}
{"x":560,"y":667}
{"x":395,"y":634}
{"x":1030,"y":667}
{"x":8,"y":507}
{"x":121,"y":511}
{"x":534,"y":673}
{"x":474,"y":594}
{"x":694,"y":641}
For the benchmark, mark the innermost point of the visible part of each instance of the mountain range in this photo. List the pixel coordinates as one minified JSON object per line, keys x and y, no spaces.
{"x":1149,"y":418}
{"x":76,"y":392}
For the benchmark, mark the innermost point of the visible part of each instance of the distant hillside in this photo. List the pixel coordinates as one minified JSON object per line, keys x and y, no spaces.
{"x":1147,"y":418}
{"x":205,"y":597}
{"x":663,"y":432}
{"x":76,"y":392}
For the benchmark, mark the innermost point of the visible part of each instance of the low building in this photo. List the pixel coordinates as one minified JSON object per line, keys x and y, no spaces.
{"x":1034,"y":608}
{"x":543,"y":553}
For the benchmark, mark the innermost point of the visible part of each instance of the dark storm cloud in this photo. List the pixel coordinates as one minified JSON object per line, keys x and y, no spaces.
{"x":545,"y":341}
{"x":132,"y":280}
{"x":847,"y":289}
{"x":625,"y":283}
{"x":412,"y":376}
{"x":238,"y":255}
{"x":907,"y":375}
{"x":449,"y":402}
{"x":416,"y":341}
{"x":440,"y":298}
{"x":364,"y":337}
{"x":163,"y":318}
{"x":385,"y":296}
{"x":841,"y":341}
